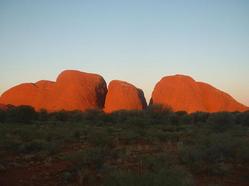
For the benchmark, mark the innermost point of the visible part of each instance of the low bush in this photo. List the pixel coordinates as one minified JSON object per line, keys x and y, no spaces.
{"x":164,"y":176}
{"x":221,"y":121}
{"x":2,"y":116}
{"x":21,"y":114}
{"x":90,"y":157}
{"x":210,"y":152}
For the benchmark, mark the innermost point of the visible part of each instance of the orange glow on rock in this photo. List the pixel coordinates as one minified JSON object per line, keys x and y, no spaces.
{"x":123,"y":96}
{"x":73,"y":90}
{"x":182,"y":93}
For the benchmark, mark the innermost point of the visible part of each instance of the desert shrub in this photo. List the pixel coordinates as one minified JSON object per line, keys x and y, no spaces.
{"x":242,"y":154}
{"x":92,"y":157}
{"x":76,"y":116}
{"x":137,"y":120}
{"x":221,"y":118}
{"x":129,"y":135}
{"x":159,"y":135}
{"x":124,"y":178}
{"x":84,"y":162}
{"x":209,"y":152}
{"x":185,"y":119}
{"x":164,"y":136}
{"x":173,"y":119}
{"x":157,"y":108}
{"x":33,"y":138}
{"x":32,"y":146}
{"x":158,"y":114}
{"x":155,"y":162}
{"x":43,"y":115}
{"x":2,"y":116}
{"x":127,"y":117}
{"x":118,"y":116}
{"x":60,"y":116}
{"x":164,"y":176}
{"x":93,"y":115}
{"x":221,"y":121}
{"x":77,"y":135}
{"x":21,"y":114}
{"x":118,"y":153}
{"x":99,"y":137}
{"x":242,"y":118}
{"x":199,"y":117}
{"x":152,"y":115}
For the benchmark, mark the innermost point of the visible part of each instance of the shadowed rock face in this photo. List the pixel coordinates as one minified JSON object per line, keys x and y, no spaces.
{"x":182,"y":93}
{"x":124,"y":96}
{"x":73,"y":90}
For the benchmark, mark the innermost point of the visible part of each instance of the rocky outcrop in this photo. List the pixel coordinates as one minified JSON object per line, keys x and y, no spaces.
{"x":182,"y":93}
{"x":123,"y":96}
{"x":73,"y":90}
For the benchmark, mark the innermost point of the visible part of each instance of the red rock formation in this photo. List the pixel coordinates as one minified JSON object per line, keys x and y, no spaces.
{"x":182,"y":93}
{"x":73,"y":90}
{"x":216,"y":100}
{"x":123,"y":96}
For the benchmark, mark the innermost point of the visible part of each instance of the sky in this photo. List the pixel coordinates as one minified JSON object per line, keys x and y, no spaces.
{"x":138,"y":41}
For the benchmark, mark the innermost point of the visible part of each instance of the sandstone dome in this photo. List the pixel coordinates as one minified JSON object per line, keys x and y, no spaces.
{"x":183,"y":93}
{"x":124,"y":96}
{"x":73,"y":90}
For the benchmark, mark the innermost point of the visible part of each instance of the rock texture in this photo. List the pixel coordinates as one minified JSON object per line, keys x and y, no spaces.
{"x":73,"y":90}
{"x":182,"y":93}
{"x":124,"y":96}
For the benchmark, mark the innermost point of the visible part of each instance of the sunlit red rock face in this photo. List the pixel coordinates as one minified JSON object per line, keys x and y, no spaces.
{"x":73,"y":90}
{"x":124,"y":96}
{"x":182,"y":93}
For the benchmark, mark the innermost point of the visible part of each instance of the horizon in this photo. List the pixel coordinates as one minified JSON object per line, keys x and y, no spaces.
{"x":130,"y":41}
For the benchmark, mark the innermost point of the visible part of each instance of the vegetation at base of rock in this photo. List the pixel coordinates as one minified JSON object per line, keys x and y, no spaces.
{"x":154,"y":114}
{"x":151,"y":147}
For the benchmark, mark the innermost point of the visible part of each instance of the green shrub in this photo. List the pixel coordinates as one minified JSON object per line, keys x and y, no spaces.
{"x":43,"y":115}
{"x":37,"y":145}
{"x":221,"y":121}
{"x":199,"y":117}
{"x":242,"y":118}
{"x":209,"y":151}
{"x":21,"y":114}
{"x":2,"y":116}
{"x":92,"y":157}
{"x":242,"y":155}
{"x":129,"y":135}
{"x":99,"y":137}
{"x":156,"y":161}
{"x":163,"y":177}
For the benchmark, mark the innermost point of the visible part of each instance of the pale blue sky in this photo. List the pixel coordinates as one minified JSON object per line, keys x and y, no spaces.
{"x":134,"y":40}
